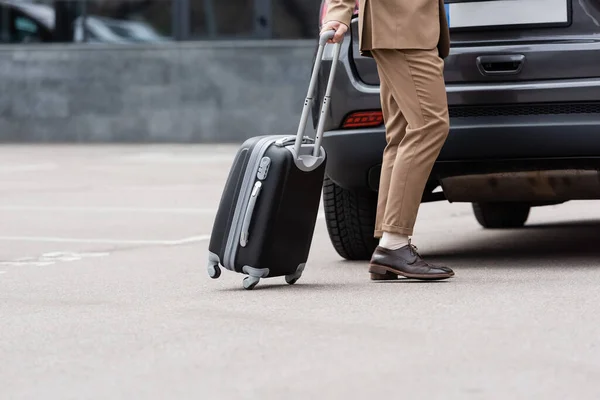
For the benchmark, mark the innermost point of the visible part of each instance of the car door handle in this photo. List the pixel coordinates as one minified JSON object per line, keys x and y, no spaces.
{"x":501,"y":64}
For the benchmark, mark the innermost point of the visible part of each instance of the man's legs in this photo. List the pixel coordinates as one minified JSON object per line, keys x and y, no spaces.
{"x":395,"y":128}
{"x":415,"y":81}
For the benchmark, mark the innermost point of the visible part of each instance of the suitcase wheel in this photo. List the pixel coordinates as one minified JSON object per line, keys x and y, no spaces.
{"x":291,"y":279}
{"x":213,"y":265}
{"x":214,"y":271}
{"x":250,"y":282}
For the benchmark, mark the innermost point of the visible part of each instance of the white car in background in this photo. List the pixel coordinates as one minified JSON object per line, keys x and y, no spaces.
{"x":108,"y":30}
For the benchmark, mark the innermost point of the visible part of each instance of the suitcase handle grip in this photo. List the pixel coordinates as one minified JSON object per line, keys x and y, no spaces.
{"x":324,"y":37}
{"x":244,"y":236}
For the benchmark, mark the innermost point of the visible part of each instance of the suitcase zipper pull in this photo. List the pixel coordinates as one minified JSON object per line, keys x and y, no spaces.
{"x":249,"y":212}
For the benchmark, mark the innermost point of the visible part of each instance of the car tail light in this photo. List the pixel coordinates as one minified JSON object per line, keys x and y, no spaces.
{"x":324,"y":11}
{"x":363,"y":119}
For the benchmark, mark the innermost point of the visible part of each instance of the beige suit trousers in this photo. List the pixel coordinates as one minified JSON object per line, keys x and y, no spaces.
{"x":415,"y":110}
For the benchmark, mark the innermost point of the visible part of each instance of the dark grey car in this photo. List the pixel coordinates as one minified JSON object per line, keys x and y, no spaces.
{"x":523,"y":87}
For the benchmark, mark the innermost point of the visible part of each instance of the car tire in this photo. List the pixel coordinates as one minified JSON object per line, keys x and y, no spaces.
{"x":501,"y":215}
{"x":350,"y":220}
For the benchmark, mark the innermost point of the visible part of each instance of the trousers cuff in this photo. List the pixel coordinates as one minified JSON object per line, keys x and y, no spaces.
{"x":396,"y":229}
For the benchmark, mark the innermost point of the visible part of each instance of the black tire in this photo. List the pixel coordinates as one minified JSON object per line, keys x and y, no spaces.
{"x":501,"y":215}
{"x":350,"y":220}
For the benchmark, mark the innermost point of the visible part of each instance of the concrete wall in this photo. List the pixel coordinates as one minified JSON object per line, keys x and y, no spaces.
{"x":184,"y":92}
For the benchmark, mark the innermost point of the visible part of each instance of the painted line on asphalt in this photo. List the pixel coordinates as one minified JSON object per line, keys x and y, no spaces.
{"x":51,"y":258}
{"x":191,"y":239}
{"x":197,"y":211}
{"x":27,"y":167}
{"x":154,"y":210}
{"x":50,"y":239}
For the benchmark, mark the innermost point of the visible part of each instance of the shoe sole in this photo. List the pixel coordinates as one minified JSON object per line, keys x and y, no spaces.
{"x":383,"y":273}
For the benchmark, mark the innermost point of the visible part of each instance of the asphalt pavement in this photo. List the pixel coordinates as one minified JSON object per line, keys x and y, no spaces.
{"x":104,"y":295}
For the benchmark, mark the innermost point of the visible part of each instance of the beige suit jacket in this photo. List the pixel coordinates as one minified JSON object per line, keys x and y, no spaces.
{"x":396,"y":24}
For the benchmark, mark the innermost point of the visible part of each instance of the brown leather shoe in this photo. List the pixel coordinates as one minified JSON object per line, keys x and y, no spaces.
{"x":388,"y":264}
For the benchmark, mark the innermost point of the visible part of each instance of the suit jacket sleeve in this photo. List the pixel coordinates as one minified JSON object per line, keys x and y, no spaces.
{"x":340,"y":10}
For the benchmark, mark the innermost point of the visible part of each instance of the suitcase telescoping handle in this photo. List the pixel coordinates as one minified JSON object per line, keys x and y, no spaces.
{"x":324,"y":37}
{"x":307,"y":160}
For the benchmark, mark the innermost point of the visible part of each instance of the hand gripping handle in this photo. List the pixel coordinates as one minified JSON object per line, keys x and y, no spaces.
{"x":324,"y":37}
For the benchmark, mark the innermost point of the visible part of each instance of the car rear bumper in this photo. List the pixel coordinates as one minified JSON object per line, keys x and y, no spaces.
{"x":475,"y":144}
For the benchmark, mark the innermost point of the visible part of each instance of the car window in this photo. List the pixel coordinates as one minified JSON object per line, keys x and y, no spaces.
{"x":26,"y":30}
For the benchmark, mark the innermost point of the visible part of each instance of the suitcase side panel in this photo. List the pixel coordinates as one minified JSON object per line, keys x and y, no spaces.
{"x":224,"y":218}
{"x":265,"y":211}
{"x":284,"y":218}
{"x":256,"y":153}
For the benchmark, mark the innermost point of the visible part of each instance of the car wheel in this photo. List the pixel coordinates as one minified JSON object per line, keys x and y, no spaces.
{"x":501,"y":215}
{"x":350,"y":220}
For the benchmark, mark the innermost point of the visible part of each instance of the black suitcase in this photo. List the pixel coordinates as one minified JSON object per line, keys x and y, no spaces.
{"x":268,"y":210}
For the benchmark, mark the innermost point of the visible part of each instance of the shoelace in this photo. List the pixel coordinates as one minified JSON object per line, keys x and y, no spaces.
{"x":413,"y":249}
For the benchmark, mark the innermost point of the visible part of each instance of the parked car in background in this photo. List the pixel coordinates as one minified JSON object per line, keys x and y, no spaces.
{"x":22,"y":22}
{"x":109,"y":30}
{"x":28,"y":22}
{"x":523,"y":85}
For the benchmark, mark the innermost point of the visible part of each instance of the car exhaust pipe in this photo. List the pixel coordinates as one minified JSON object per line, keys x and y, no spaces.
{"x":534,"y":186}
